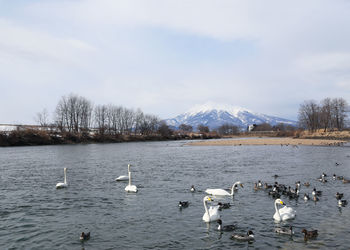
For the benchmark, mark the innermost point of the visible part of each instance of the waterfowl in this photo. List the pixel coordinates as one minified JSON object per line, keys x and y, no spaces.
{"x":339,"y":195}
{"x":309,"y":234}
{"x":275,"y":176}
{"x":337,"y":164}
{"x":243,"y":237}
{"x":340,"y":177}
{"x":307,"y":184}
{"x":211,"y":214}
{"x":192,"y":189}
{"x":267,"y":186}
{"x":130,"y":188}
{"x":342,"y":203}
{"x":224,"y":205}
{"x":334,"y":177}
{"x":284,"y":230}
{"x":183,"y":204}
{"x":315,"y":198}
{"x":226,"y":228}
{"x":297,"y":184}
{"x":222,"y":192}
{"x":85,"y":236}
{"x":284,"y":213}
{"x":256,"y":188}
{"x":306,"y":197}
{"x":259,"y":184}
{"x":314,"y":192}
{"x":63,"y":184}
{"x":124,"y":177}
{"x":346,"y":181}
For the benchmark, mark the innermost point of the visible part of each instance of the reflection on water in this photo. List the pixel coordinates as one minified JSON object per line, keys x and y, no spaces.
{"x":34,"y":215}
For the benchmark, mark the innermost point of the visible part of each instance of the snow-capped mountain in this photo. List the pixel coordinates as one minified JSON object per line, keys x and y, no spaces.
{"x":214,"y":115}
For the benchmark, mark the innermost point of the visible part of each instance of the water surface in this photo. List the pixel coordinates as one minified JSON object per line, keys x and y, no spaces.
{"x":34,"y":215}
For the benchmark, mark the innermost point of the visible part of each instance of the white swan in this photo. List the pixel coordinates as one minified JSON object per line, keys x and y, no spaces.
{"x":219,"y":191}
{"x":130,"y":188}
{"x":124,"y":177}
{"x":284,"y":213}
{"x":63,"y":184}
{"x":211,"y":214}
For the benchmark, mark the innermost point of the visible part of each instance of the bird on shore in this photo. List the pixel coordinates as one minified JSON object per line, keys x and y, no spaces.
{"x":284,"y":230}
{"x":249,"y":236}
{"x":309,"y":234}
{"x":63,"y":184}
{"x":183,"y":204}
{"x":226,"y":228}
{"x":85,"y":236}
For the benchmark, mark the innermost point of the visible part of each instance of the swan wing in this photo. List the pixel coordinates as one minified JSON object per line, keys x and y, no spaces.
{"x":122,"y":178}
{"x":216,"y":191}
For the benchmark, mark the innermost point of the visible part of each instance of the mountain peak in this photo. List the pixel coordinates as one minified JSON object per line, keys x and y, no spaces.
{"x":214,"y":115}
{"x":210,"y":106}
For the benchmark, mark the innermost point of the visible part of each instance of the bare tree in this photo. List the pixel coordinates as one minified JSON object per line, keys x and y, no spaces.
{"x":203,"y":129}
{"x":228,"y":129}
{"x":186,"y":128}
{"x":42,"y":118}
{"x":309,"y":115}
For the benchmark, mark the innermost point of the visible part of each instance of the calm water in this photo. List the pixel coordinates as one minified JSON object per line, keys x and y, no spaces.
{"x":34,"y":215}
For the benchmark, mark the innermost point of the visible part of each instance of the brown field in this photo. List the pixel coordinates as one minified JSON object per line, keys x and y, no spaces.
{"x":269,"y":141}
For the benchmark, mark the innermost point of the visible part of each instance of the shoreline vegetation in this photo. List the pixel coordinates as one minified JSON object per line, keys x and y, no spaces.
{"x":36,"y":137}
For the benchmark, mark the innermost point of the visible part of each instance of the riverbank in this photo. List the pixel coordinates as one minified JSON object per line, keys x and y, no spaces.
{"x":30,"y":137}
{"x":269,"y":141}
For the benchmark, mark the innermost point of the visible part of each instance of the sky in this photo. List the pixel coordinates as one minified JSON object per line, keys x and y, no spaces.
{"x":165,"y":56}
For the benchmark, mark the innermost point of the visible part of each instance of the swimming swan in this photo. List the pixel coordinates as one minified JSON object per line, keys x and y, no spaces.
{"x":63,"y":184}
{"x":284,"y":213}
{"x":124,"y":177}
{"x":211,"y":214}
{"x":129,"y":187}
{"x":218,"y":191}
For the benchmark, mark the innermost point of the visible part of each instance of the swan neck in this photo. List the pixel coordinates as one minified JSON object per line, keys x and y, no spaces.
{"x":65,"y":176}
{"x":278,"y":212}
{"x":129,"y":178}
{"x":205,"y":206}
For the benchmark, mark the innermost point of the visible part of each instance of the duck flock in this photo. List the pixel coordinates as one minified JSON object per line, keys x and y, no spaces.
{"x":277,"y":191}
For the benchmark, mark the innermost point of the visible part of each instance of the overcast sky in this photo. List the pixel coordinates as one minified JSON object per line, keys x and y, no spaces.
{"x":165,"y":56}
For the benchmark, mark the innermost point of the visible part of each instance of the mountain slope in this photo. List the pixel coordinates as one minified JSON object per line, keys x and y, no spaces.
{"x":215,"y":115}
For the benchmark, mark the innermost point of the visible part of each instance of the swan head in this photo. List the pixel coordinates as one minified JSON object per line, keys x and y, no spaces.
{"x":207,"y":198}
{"x":279,"y":201}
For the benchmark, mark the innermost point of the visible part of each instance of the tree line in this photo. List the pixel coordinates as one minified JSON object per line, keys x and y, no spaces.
{"x":77,"y":114}
{"x":329,"y":114}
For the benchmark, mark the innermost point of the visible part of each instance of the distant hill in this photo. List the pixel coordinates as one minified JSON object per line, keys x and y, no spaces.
{"x":214,"y":115}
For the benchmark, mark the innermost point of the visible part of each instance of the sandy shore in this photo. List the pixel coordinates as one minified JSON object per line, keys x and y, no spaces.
{"x":268,"y":141}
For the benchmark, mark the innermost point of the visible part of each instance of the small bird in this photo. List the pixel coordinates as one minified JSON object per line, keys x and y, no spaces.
{"x":244,"y":237}
{"x":337,"y":164}
{"x":284,"y":230}
{"x":297,"y":184}
{"x":226,"y":228}
{"x":85,"y":236}
{"x":334,"y":177}
{"x":315,"y":198}
{"x":342,"y":203}
{"x":309,"y":234}
{"x":275,"y":176}
{"x":256,"y":188}
{"x":314,"y":192}
{"x":346,"y":181}
{"x":193,"y":189}
{"x":306,"y":197}
{"x":260,"y":184}
{"x":267,"y":186}
{"x":223,"y":205}
{"x":307,"y":184}
{"x":339,"y":195}
{"x":183,"y":204}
